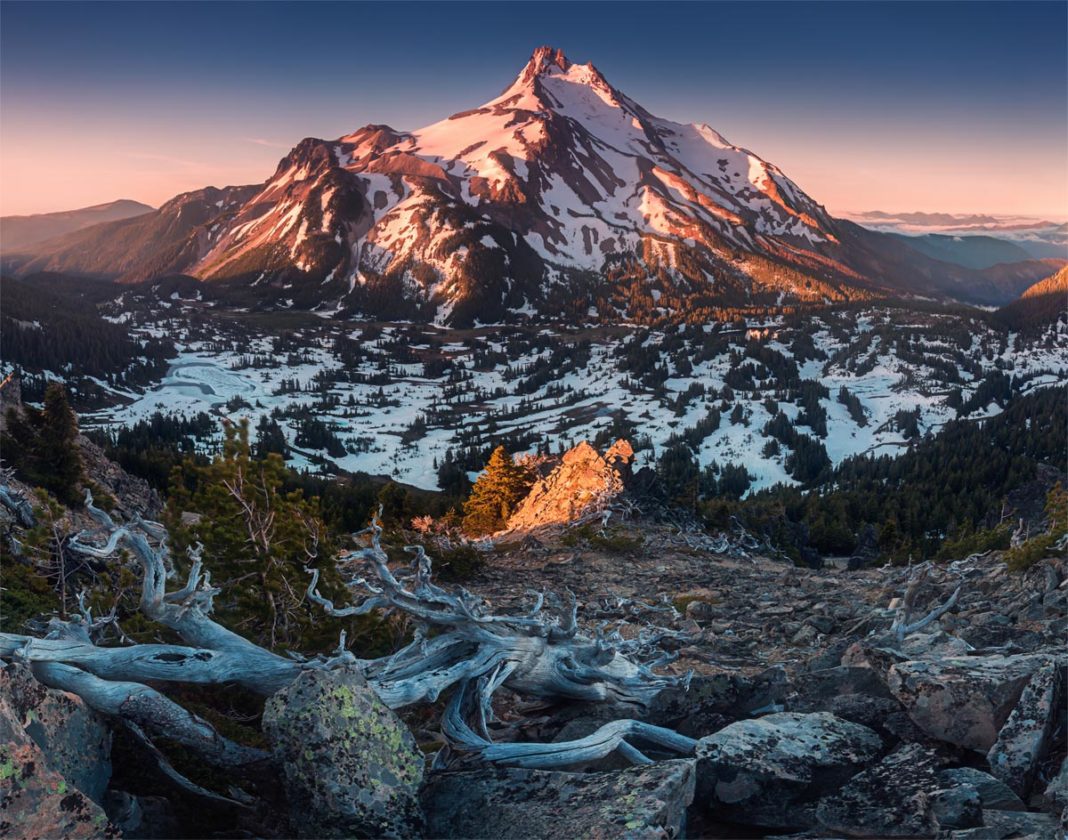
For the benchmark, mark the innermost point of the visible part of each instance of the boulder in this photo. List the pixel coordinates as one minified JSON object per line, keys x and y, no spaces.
{"x":963,"y":701}
{"x":712,"y":701}
{"x":1056,"y":794}
{"x":35,"y":799}
{"x":75,"y":739}
{"x":351,"y":766}
{"x":1024,"y":740}
{"x":1018,"y":825}
{"x":498,"y":802}
{"x":993,"y":793}
{"x":937,"y":645}
{"x":769,"y":770}
{"x":897,"y":798}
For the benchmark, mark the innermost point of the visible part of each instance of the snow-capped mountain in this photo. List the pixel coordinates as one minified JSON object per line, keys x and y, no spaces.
{"x":560,"y":195}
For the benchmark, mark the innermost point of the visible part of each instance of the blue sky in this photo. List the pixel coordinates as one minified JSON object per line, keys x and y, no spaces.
{"x":901,"y":106}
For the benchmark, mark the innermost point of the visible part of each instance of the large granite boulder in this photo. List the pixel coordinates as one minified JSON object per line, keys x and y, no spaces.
{"x":963,"y":701}
{"x":770,"y":770}
{"x":351,"y":767}
{"x":36,"y":798}
{"x":1024,"y":740}
{"x":497,"y":802}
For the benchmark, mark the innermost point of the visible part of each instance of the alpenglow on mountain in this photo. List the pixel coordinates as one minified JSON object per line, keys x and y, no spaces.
{"x":562,"y":196}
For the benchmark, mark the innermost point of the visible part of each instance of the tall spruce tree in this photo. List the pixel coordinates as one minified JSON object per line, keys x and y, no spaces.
{"x":496,"y":494}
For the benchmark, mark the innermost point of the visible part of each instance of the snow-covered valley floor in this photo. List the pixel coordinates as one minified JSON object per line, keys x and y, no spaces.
{"x":399,"y":396}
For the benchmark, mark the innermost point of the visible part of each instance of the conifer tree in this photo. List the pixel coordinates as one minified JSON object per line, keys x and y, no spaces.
{"x":41,"y":444}
{"x":257,"y":539}
{"x":496,"y":494}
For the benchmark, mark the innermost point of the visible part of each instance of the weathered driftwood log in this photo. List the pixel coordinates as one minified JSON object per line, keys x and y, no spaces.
{"x":539,"y":654}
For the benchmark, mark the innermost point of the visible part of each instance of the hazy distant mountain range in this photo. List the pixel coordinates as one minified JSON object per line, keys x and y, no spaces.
{"x":20,"y":231}
{"x":560,"y":195}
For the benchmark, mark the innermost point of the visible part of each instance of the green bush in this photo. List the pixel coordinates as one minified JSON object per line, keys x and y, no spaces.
{"x":457,"y":564}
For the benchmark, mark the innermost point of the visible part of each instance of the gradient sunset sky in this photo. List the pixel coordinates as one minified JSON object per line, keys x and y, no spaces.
{"x":956,"y":107}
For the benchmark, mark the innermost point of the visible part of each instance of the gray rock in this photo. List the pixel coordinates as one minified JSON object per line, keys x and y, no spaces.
{"x":993,"y":793}
{"x":351,"y":766}
{"x":1056,"y":794}
{"x":936,"y":645}
{"x":1019,"y":825}
{"x":497,"y":802}
{"x":956,"y":807}
{"x":712,"y":701}
{"x":1023,"y":741}
{"x":963,"y":701}
{"x":893,"y":798}
{"x":760,"y":771}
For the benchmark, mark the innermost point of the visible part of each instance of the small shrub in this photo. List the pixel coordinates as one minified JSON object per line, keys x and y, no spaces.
{"x":457,"y":564}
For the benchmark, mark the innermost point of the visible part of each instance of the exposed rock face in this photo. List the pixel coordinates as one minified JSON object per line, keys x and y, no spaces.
{"x":351,"y":766}
{"x":769,"y":770}
{"x":584,"y":482}
{"x":647,"y":802}
{"x":1024,"y":739}
{"x":963,"y":701}
{"x":133,"y":495}
{"x":53,"y":760}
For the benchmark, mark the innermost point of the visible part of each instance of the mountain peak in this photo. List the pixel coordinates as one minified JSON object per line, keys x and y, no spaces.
{"x":542,"y":60}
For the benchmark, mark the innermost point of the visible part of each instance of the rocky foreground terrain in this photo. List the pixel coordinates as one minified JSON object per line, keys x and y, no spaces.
{"x":887,"y":702}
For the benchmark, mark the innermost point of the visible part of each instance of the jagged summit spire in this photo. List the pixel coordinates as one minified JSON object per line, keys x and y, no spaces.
{"x":542,"y":60}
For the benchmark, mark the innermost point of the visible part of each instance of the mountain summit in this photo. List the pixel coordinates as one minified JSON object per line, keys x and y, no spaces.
{"x":560,"y":197}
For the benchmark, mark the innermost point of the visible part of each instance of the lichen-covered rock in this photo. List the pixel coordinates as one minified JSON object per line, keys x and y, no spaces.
{"x":35,"y":800}
{"x":897,"y":798}
{"x":963,"y":701}
{"x":993,"y":793}
{"x":495,"y":802}
{"x":770,"y":770}
{"x":351,"y":766}
{"x":75,"y":739}
{"x":1024,"y":739}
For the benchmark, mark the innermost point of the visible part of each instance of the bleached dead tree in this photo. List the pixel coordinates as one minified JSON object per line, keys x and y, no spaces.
{"x":540,"y":654}
{"x":918,"y":575}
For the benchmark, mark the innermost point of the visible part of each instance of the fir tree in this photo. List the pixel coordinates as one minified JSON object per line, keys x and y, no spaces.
{"x":496,"y":494}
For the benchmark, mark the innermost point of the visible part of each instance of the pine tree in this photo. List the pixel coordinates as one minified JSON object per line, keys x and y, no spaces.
{"x":496,"y":494}
{"x":257,"y":539}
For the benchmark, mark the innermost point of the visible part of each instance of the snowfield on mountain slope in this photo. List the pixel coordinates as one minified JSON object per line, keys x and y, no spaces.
{"x":401,"y":420}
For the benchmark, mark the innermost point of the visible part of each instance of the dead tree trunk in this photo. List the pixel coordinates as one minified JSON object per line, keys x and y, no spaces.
{"x":540,"y":654}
